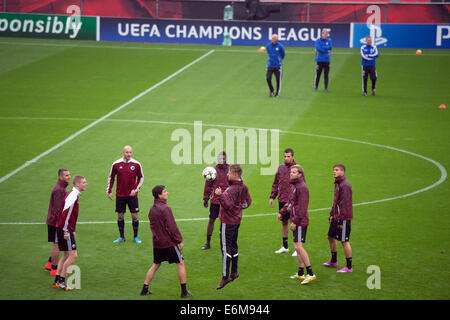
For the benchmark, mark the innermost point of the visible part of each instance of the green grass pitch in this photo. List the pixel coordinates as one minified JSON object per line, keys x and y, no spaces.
{"x":393,"y":144}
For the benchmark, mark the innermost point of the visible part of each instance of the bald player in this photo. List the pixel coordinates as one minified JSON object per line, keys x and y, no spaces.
{"x":129,"y":181}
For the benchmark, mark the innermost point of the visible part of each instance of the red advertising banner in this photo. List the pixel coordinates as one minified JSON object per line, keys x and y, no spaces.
{"x":338,"y":11}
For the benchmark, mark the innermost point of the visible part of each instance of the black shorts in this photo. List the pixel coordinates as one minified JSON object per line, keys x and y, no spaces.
{"x":52,"y":234}
{"x":121,"y":204}
{"x":286,"y":216}
{"x":300,"y":234}
{"x":65,"y":245}
{"x":171,"y":255}
{"x":343,"y":234}
{"x":322,"y":65}
{"x":214,"y":210}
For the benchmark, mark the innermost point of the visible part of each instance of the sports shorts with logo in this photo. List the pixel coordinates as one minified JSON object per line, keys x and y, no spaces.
{"x":340,"y":234}
{"x":122,"y":202}
{"x":300,"y":233}
{"x":65,"y":245}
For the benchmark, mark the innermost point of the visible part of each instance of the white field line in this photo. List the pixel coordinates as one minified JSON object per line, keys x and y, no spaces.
{"x":76,"y":134}
{"x":435,"y":184}
{"x":47,"y":44}
{"x":179,"y":220}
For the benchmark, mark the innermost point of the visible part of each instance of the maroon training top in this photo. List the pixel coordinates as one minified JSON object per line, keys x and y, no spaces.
{"x":235,"y":198}
{"x":281,"y":186}
{"x":56,"y":198}
{"x":162,"y":223}
{"x":129,"y":177}
{"x":342,"y":204}
{"x":298,"y":203}
{"x":221,"y":181}
{"x":68,"y":213}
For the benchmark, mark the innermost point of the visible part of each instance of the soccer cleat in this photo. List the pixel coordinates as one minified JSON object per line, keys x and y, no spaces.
{"x":277,"y":95}
{"x":330,"y":264}
{"x":282,"y":250}
{"x":54,"y":272}
{"x":326,"y":90}
{"x":119,"y":239}
{"x":54,"y":285}
{"x":234,"y":276}
{"x":48,"y":266}
{"x":308,"y":279}
{"x":373,"y":92}
{"x":186,"y":294}
{"x":271,"y":94}
{"x":365,"y":94}
{"x":206,"y":246}
{"x":63,"y":286}
{"x":345,"y":270}
{"x":294,"y":254}
{"x":223,"y":283}
{"x":296,"y":276}
{"x":315,"y":88}
{"x":137,"y":240}
{"x":145,"y":292}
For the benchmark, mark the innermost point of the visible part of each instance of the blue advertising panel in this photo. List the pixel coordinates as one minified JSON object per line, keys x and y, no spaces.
{"x":424,"y":36}
{"x":212,"y":32}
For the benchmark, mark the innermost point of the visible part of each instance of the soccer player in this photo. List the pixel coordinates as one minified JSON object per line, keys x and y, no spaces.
{"x":232,"y":200}
{"x":281,"y":188}
{"x":276,"y":53}
{"x":167,"y":240}
{"x":298,"y":208}
{"x":340,"y":219}
{"x":221,"y":181}
{"x":56,"y":198}
{"x":369,"y":53}
{"x":129,"y":180}
{"x":323,"y":48}
{"x":65,"y":230}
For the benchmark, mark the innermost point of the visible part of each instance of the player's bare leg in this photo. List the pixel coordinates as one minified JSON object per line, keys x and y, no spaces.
{"x":148,"y":278}
{"x":182,"y":277}
{"x":284,"y":234}
{"x":151,"y":273}
{"x":71,"y":257}
{"x":55,"y":254}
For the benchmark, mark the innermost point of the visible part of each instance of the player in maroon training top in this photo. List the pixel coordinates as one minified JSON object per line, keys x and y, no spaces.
{"x":298,"y":207}
{"x":340,"y":218}
{"x":281,"y":188}
{"x":167,"y":240}
{"x":221,"y":181}
{"x":56,"y":198}
{"x":65,"y":231}
{"x":129,"y":180}
{"x":232,"y":201}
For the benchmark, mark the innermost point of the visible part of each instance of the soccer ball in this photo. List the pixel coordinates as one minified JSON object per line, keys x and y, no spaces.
{"x":209,"y":173}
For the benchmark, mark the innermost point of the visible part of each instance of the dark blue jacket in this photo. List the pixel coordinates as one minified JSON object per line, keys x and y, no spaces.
{"x":323,"y":48}
{"x":276,"y":54}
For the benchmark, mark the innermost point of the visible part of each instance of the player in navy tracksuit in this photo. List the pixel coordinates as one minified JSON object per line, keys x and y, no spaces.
{"x":276,"y":53}
{"x":323,"y":48}
{"x":368,"y":55}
